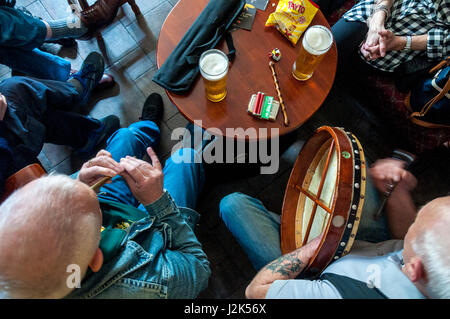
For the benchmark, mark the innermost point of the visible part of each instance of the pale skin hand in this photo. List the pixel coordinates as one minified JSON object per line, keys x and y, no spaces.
{"x":386,"y":171}
{"x":145,"y":180}
{"x":388,"y":41}
{"x":286,"y":267}
{"x":99,"y":167}
{"x":400,"y":208}
{"x":3,"y":106}
{"x":372,"y":47}
{"x":380,"y":41}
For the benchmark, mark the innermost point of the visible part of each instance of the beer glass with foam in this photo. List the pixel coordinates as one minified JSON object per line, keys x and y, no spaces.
{"x":316,"y":42}
{"x":214,"y":69}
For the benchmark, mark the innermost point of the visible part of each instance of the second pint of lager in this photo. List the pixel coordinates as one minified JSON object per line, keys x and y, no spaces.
{"x":315,"y":44}
{"x":214,"y":70}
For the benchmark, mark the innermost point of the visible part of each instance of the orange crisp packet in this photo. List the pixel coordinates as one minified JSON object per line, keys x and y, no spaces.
{"x":292,"y":18}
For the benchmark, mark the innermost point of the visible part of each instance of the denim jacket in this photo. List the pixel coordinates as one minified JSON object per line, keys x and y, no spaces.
{"x":160,"y":257}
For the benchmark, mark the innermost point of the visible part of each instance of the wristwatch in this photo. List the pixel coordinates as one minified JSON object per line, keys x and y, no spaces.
{"x":408,"y":43}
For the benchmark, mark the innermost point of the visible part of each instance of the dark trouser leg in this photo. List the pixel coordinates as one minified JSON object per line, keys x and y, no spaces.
{"x":348,"y":37}
{"x":36,"y":95}
{"x":20,"y":37}
{"x":29,"y":101}
{"x":327,"y":6}
{"x":36,"y":63}
{"x":67,"y":128}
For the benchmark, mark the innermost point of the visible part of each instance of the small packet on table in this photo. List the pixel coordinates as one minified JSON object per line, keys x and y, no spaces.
{"x":263,"y":107}
{"x":292,"y":18}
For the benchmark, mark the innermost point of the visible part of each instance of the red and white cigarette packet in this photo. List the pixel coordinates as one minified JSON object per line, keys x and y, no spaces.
{"x":252,"y":108}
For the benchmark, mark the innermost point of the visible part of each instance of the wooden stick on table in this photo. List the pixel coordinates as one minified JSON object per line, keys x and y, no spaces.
{"x":277,"y":86}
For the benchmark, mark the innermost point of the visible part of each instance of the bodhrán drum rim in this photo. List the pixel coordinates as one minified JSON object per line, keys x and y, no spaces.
{"x":344,"y":206}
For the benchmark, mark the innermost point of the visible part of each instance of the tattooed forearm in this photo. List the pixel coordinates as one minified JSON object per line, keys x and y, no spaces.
{"x":286,"y":267}
{"x":289,"y":265}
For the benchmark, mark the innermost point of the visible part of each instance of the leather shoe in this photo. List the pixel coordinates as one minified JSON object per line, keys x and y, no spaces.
{"x":99,"y":15}
{"x":106,"y":82}
{"x":153,"y":109}
{"x":90,"y":74}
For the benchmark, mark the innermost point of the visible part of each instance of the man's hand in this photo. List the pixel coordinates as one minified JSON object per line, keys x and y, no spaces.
{"x":388,"y":171}
{"x":144,"y":179}
{"x":101,"y":166}
{"x":3,"y":106}
{"x":310,"y":248}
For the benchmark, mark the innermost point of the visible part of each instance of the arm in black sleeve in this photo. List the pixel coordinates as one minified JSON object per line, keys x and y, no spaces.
{"x":8,"y":3}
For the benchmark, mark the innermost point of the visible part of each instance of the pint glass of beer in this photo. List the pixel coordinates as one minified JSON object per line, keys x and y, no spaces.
{"x":316,"y":42}
{"x":214,"y":70}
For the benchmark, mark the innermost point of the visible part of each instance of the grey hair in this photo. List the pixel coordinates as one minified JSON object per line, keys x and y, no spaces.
{"x":51,"y":215}
{"x":432,"y":245}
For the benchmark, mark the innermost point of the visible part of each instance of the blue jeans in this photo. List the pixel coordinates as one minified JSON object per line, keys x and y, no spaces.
{"x":20,"y":38}
{"x":183,"y":178}
{"x":255,"y":228}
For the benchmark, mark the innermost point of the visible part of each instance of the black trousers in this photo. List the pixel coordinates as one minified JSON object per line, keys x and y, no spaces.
{"x":40,"y":111}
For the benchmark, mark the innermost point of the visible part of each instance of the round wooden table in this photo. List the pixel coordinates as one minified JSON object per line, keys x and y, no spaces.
{"x":248,"y":74}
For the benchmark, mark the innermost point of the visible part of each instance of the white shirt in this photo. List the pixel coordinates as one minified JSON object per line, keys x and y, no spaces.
{"x":378,"y":265}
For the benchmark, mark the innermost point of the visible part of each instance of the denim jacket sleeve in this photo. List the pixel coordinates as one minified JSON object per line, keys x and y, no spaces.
{"x":183,"y":251}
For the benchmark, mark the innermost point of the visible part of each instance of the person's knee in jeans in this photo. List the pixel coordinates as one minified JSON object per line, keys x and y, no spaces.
{"x":129,"y":141}
{"x":255,"y":229}
{"x":184,"y":177}
{"x":232,"y":207}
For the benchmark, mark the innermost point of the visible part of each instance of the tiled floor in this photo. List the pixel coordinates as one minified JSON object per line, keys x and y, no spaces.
{"x":131,"y":51}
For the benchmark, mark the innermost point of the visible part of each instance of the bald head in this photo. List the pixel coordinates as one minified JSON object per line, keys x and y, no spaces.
{"x":426,"y":257}
{"x":49,"y":224}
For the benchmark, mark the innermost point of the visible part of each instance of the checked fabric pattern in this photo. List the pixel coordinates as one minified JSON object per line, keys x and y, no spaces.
{"x":392,"y":105}
{"x":410,"y":17}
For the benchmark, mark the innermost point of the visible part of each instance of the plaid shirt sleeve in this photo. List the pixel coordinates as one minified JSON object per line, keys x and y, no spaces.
{"x":438,"y":43}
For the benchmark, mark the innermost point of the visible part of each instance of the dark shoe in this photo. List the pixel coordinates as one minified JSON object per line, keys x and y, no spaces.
{"x":99,"y":15}
{"x":107,"y":81}
{"x":98,"y":138}
{"x":90,"y":74}
{"x":153,"y":108}
{"x":64,"y":42}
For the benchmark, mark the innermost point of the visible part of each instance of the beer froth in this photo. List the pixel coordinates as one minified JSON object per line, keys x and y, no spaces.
{"x":317,"y":40}
{"x":214,"y":69}
{"x":213,"y":66}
